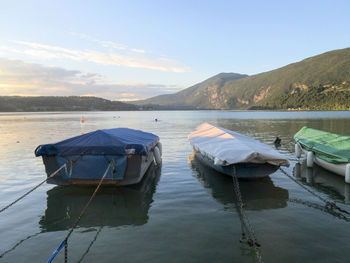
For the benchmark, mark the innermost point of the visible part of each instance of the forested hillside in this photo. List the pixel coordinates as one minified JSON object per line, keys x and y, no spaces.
{"x":321,"y":83}
{"x":72,"y":103}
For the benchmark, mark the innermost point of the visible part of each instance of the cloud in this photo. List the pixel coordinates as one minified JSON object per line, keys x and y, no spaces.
{"x":138,"y":50}
{"x":104,"y":43}
{"x":108,"y":44}
{"x":21,"y":78}
{"x":43,"y":51}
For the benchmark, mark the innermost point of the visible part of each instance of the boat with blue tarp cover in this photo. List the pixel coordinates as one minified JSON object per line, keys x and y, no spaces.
{"x":129,"y":151}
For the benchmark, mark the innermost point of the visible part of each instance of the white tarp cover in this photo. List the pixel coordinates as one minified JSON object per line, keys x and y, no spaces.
{"x":227,"y":147}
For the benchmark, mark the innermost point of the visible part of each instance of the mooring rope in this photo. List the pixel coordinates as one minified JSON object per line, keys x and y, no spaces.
{"x":330,"y":204}
{"x":91,"y":243}
{"x":251,"y":240}
{"x":64,"y":243}
{"x":18,"y":243}
{"x":319,"y":207}
{"x":31,"y":190}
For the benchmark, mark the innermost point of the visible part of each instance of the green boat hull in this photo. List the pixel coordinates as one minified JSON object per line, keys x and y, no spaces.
{"x":330,"y":147}
{"x":330,"y":151}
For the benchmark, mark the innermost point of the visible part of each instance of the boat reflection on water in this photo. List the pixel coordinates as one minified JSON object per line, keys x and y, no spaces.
{"x":258,"y":194}
{"x":112,"y":206}
{"x":324,"y":181}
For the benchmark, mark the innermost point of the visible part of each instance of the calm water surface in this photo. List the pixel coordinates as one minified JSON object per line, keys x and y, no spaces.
{"x":181,"y":212}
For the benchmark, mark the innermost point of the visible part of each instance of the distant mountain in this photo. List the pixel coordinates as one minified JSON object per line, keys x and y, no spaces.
{"x":72,"y":103}
{"x":201,"y":95}
{"x":317,"y":83}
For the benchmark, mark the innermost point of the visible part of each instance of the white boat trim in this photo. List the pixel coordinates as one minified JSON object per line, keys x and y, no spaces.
{"x":339,"y":168}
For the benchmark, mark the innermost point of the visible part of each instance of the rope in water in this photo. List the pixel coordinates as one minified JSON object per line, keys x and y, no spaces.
{"x":319,"y":207}
{"x":330,"y":204}
{"x":64,"y":243}
{"x":34,"y":188}
{"x":18,"y":243}
{"x":251,"y":240}
{"x":91,"y":243}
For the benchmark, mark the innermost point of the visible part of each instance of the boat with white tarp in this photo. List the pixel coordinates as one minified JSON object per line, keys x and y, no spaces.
{"x":227,"y":151}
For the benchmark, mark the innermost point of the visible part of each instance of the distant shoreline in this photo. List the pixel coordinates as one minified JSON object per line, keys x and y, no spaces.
{"x":78,"y":104}
{"x":75,"y":111}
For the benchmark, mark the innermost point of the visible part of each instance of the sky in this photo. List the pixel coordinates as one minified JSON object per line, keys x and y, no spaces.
{"x":129,"y":50}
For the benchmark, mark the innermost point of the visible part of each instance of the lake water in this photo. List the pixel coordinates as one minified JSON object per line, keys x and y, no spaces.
{"x":181,"y":212}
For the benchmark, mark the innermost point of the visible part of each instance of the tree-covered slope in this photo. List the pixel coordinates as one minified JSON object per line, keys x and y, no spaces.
{"x":296,"y":85}
{"x":73,"y":103}
{"x":198,"y":96}
{"x":320,"y":82}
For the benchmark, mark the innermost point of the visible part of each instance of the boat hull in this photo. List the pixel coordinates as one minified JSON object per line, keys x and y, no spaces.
{"x":133,"y":171}
{"x":242,"y":170}
{"x":337,"y":168}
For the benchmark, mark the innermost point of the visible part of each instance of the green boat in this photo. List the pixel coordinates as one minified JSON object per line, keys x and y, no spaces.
{"x":328,"y":150}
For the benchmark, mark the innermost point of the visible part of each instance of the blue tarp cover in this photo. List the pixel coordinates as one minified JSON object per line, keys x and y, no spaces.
{"x":102,"y":142}
{"x":92,"y":166}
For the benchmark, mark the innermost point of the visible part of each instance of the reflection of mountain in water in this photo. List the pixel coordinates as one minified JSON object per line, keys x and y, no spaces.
{"x":112,"y":206}
{"x":324,"y":181}
{"x":257,"y":194}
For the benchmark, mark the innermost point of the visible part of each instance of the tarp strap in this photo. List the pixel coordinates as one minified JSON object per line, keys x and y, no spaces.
{"x":71,"y":164}
{"x":113,"y":167}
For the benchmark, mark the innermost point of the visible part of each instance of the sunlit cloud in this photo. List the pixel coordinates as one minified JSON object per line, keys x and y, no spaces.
{"x":43,"y":51}
{"x":108,"y":44}
{"x":21,"y":78}
{"x":138,"y":50}
{"x":104,"y":43}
